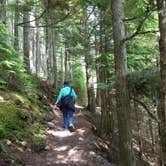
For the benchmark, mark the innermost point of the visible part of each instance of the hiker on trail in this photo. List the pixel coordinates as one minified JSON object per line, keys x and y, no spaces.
{"x":66,"y":99}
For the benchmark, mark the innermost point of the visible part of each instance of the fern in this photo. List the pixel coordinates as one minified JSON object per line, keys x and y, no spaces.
{"x":12,"y":72}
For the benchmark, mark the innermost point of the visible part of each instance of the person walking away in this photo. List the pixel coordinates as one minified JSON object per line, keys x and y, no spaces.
{"x":67,"y":97}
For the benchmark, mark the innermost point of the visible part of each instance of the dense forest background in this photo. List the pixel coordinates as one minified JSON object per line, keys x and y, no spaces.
{"x":114,"y":55}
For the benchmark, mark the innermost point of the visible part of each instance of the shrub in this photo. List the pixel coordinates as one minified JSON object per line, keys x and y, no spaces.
{"x":146,"y":82}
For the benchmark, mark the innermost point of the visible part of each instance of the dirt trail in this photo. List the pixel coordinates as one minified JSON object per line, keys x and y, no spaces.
{"x":65,"y":148}
{"x":72,"y":148}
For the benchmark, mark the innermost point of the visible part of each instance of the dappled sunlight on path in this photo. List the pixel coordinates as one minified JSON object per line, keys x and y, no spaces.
{"x":60,"y":134}
{"x":71,"y":148}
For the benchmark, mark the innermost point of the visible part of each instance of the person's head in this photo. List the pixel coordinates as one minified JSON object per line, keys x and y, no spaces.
{"x":66,"y":83}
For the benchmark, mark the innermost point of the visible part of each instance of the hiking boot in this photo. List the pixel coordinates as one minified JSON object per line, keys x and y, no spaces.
{"x":71,"y":128}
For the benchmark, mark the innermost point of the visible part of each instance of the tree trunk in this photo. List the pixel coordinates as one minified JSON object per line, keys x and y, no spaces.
{"x":122,"y":98}
{"x":152,"y":135}
{"x":49,"y":52}
{"x":138,"y":122}
{"x":55,"y":73}
{"x":98,"y":91}
{"x":89,"y":74}
{"x":37,"y":42}
{"x":16,"y":19}
{"x":162,"y":98}
{"x":62,"y":66}
{"x":104,"y":73}
{"x":66,"y":63}
{"x":26,"y":45}
{"x":3,"y":11}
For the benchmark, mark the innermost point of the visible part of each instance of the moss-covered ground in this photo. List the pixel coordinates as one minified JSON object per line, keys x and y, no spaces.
{"x":23,"y":120}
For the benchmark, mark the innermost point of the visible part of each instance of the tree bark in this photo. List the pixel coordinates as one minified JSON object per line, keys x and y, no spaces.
{"x":104,"y":73}
{"x":26,"y":45}
{"x":89,"y":74}
{"x":16,"y":19}
{"x":3,"y":11}
{"x":48,"y":39}
{"x":162,"y":98}
{"x":37,"y":48}
{"x":62,"y":67}
{"x":122,"y":97}
{"x":66,"y":62}
{"x":138,"y":122}
{"x":55,"y":72}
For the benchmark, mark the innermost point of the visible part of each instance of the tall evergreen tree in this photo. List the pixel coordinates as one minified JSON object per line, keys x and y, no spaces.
{"x":26,"y":46}
{"x":16,"y":19}
{"x":162,"y":104}
{"x":122,"y":97}
{"x":3,"y":11}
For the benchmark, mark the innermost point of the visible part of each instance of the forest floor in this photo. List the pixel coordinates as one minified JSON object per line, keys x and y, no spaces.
{"x":64,"y":148}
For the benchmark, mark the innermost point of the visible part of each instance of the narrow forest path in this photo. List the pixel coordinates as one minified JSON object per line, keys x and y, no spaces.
{"x":65,"y":148}
{"x":72,"y":148}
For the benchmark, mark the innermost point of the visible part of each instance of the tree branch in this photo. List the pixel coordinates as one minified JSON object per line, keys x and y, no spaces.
{"x":130,"y":19}
{"x":145,"y":32}
{"x":140,"y":33}
{"x":150,"y":7}
{"x":146,"y":109}
{"x":49,"y":25}
{"x":93,"y":28}
{"x":22,"y":23}
{"x":138,"y":28}
{"x":90,"y":13}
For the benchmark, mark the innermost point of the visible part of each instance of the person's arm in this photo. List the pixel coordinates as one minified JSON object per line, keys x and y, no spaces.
{"x":59,"y":97}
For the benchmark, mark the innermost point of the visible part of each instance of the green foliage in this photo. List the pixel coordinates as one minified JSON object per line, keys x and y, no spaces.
{"x":78,"y":80}
{"x":12,"y":72}
{"x":142,"y":17}
{"x":145,"y":83}
{"x":2,"y":84}
{"x":136,"y":8}
{"x":106,"y":64}
{"x":142,"y":54}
